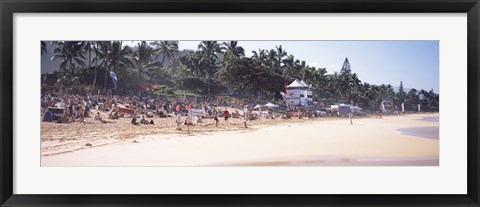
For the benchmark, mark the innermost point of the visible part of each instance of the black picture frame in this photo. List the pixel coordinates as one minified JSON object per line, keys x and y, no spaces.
{"x":9,"y":7}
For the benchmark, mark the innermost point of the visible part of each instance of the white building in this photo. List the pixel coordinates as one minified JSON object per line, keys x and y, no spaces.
{"x":298,"y":93}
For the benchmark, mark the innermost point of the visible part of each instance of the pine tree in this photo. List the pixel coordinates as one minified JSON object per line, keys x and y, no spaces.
{"x":401,"y":94}
{"x":346,"y":67}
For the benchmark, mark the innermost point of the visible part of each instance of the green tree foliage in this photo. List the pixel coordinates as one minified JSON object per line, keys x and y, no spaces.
{"x":143,"y":61}
{"x":166,"y":49}
{"x":219,"y":68}
{"x":248,"y":77}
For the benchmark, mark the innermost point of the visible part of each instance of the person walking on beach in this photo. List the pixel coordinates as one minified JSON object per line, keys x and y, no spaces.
{"x":403,"y":108}
{"x":245,"y":116}
{"x":350,"y":115}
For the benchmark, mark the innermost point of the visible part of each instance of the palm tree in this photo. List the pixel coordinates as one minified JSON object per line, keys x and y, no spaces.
{"x":261,"y":56}
{"x":143,"y":59}
{"x":167,"y":49}
{"x":72,"y":54}
{"x":210,"y":50}
{"x":281,"y":53}
{"x":333,"y":85}
{"x":113,"y":56}
{"x":96,"y":47}
{"x":88,"y":48}
{"x":102,"y":53}
{"x":232,"y":48}
{"x":272,"y":61}
{"x":119,"y":55}
{"x":290,"y":64}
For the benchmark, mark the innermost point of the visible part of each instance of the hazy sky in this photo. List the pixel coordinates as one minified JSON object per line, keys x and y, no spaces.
{"x":416,"y":63}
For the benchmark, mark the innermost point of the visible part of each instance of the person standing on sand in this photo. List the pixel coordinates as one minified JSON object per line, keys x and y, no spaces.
{"x":178,"y":121}
{"x":187,"y":122}
{"x":216,"y":121}
{"x":245,"y":116}
{"x":189,"y":110}
{"x":225,"y":115}
{"x":350,"y":116}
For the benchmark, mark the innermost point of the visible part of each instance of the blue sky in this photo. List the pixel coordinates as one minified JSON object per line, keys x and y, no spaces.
{"x":416,"y":63}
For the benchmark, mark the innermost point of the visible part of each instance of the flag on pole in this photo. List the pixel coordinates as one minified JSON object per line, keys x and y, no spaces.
{"x":114,"y":79}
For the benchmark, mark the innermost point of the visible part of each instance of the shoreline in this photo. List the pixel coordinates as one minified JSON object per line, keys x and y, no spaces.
{"x":368,"y":142}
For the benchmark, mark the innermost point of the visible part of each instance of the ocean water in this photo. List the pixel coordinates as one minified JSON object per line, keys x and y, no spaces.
{"x":428,"y":132}
{"x":429,"y":119}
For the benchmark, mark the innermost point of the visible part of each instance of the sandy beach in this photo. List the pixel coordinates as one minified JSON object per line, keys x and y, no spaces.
{"x":402,"y":140}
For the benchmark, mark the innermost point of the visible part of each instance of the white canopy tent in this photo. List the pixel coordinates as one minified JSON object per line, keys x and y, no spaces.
{"x":271,"y":105}
{"x":297,"y":84}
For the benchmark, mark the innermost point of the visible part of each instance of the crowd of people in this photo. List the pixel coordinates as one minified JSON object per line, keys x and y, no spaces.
{"x":107,"y":108}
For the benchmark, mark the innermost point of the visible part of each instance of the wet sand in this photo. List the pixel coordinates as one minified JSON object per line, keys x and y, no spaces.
{"x":323,"y":142}
{"x":429,"y":132}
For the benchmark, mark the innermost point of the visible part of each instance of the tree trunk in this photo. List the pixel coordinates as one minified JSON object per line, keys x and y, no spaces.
{"x":163,"y":59}
{"x":71,"y":68}
{"x":105,"y":79}
{"x":89,"y":57}
{"x":96,"y":64}
{"x":208,"y":83}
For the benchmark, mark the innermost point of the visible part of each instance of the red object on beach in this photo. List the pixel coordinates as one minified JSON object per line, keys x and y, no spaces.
{"x":178,"y":107}
{"x":125,"y":110}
